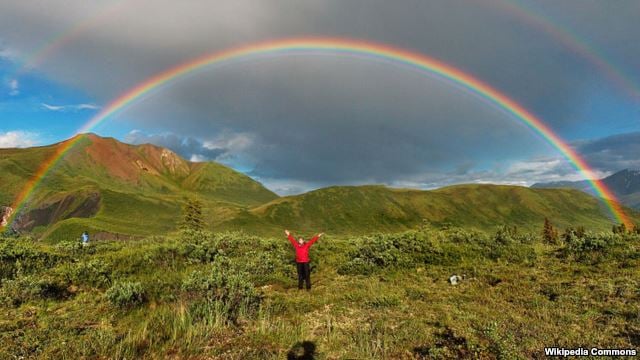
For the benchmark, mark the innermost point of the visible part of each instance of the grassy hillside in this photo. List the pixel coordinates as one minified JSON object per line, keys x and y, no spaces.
{"x":367,"y":209}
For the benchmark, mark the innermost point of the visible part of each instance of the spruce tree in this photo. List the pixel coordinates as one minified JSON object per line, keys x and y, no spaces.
{"x":619,"y":229}
{"x":549,"y":233}
{"x":193,"y":219}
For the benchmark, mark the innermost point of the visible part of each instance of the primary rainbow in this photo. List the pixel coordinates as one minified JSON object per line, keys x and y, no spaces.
{"x":335,"y":46}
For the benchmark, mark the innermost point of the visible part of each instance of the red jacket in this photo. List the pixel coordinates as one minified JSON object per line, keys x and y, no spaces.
{"x":302,"y":251}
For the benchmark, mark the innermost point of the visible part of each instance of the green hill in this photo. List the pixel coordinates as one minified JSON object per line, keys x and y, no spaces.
{"x":366,"y":209}
{"x":116,"y":190}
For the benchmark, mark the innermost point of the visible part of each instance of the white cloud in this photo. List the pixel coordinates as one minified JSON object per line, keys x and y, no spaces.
{"x":284,"y":187}
{"x":198,"y":158}
{"x":74,"y":107}
{"x":18,"y":139}
{"x":9,"y":54}
{"x":14,"y":87}
{"x":52,"y":107}
{"x":187,"y":147}
{"x":234,"y":144}
{"x":519,"y":173}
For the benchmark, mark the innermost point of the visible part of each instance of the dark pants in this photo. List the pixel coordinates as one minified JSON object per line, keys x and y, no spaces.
{"x":304,"y":274}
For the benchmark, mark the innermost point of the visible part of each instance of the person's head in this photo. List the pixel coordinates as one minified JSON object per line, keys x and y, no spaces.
{"x":300,"y":241}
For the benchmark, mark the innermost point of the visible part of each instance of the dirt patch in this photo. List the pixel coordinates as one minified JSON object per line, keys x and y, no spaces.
{"x":118,"y":159}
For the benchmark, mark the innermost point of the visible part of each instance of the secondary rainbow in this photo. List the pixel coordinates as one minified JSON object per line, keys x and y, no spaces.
{"x":335,"y":46}
{"x":71,"y":34}
{"x":572,"y":42}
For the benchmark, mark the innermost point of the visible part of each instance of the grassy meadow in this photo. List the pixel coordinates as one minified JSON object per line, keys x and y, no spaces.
{"x":197,"y":294}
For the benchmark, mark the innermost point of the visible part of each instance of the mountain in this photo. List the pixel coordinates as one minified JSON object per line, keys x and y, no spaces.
{"x":109,"y":187}
{"x":117,"y":190}
{"x":624,"y":184}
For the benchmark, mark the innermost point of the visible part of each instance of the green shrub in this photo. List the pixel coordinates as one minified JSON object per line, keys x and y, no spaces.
{"x":94,"y":272}
{"x":357,"y":266}
{"x":15,"y":292}
{"x":450,"y":247}
{"x":588,"y":247}
{"x":125,"y":294}
{"x":203,"y":246}
{"x":70,"y":247}
{"x":380,"y":251}
{"x":24,"y":256}
{"x":230,"y":289}
{"x":589,"y":242}
{"x":263,"y":265}
{"x":199,"y":246}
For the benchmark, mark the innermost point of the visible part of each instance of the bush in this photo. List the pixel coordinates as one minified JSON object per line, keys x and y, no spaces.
{"x":232,"y":290}
{"x":415,"y":248}
{"x":15,"y":292}
{"x":25,"y":257}
{"x":94,"y":272}
{"x":381,"y":251}
{"x":203,"y":246}
{"x":589,"y":242}
{"x":593,"y":248}
{"x":70,"y":247}
{"x":357,"y":266}
{"x":265,"y":265}
{"x":125,"y":294}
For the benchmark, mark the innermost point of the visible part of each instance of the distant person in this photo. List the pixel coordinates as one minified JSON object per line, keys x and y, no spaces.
{"x":85,"y":238}
{"x":302,"y":257}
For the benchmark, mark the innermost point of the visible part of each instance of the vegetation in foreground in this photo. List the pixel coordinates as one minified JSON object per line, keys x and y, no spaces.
{"x":234,"y":296}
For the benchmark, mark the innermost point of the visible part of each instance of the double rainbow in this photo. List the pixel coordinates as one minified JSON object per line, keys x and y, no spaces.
{"x":344,"y":47}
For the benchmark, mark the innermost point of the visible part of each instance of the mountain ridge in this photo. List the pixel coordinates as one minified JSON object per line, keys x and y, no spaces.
{"x":105,"y":186}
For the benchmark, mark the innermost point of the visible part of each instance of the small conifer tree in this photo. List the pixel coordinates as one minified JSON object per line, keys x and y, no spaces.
{"x":549,"y":233}
{"x":193,"y":219}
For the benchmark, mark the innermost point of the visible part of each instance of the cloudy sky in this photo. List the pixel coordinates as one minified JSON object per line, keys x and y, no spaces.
{"x":301,"y":122}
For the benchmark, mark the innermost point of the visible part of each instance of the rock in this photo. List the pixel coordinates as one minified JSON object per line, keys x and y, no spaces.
{"x":455,"y":279}
{"x":5,"y":214}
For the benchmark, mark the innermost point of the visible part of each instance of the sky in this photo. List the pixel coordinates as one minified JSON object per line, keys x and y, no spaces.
{"x":302,"y":122}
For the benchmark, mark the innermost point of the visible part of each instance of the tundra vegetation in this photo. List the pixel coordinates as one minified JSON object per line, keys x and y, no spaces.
{"x":382,"y":296}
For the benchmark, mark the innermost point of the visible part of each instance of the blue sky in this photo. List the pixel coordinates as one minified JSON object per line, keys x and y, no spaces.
{"x":305,"y":122}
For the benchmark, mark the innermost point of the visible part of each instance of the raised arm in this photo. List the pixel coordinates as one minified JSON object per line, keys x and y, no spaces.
{"x":315,"y":238}
{"x":292,"y":240}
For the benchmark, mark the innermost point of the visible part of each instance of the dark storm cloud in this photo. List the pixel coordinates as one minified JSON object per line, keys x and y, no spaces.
{"x":327,"y":120}
{"x":612,"y":153}
{"x":136,"y":39}
{"x":379,"y":125}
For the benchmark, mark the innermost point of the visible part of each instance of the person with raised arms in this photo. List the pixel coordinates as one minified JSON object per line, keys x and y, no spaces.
{"x":302,"y":257}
